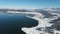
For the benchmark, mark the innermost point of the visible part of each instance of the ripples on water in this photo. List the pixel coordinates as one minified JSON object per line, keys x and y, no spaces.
{"x":12,"y":24}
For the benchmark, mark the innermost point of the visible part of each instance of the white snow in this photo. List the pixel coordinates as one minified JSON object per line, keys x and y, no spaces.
{"x":42,"y":22}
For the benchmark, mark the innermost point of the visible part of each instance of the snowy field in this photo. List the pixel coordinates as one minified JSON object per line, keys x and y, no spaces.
{"x":43,"y":23}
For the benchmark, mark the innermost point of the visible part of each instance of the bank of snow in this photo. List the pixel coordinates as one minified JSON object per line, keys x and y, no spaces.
{"x":42,"y":23}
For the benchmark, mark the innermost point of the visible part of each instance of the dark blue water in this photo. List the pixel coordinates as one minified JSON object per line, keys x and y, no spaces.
{"x":13,"y":24}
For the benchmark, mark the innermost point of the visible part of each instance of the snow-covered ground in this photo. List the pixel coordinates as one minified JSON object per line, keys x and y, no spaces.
{"x":42,"y":23}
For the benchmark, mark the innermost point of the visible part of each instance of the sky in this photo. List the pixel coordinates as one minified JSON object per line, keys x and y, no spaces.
{"x":29,"y":4}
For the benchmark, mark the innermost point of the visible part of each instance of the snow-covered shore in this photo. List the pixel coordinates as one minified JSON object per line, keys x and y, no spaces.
{"x":42,"y":23}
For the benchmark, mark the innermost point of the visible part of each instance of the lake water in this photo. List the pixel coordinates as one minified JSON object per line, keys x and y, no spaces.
{"x":12,"y":24}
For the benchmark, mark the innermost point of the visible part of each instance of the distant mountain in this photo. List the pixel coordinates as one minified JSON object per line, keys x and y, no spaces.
{"x":51,"y":9}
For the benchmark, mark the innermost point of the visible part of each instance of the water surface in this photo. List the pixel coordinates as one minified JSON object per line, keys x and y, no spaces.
{"x":12,"y":24}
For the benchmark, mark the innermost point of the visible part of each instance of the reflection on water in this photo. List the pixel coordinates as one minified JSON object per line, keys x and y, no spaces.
{"x":12,"y":24}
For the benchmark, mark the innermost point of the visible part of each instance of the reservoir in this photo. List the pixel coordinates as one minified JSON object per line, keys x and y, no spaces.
{"x":12,"y":24}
